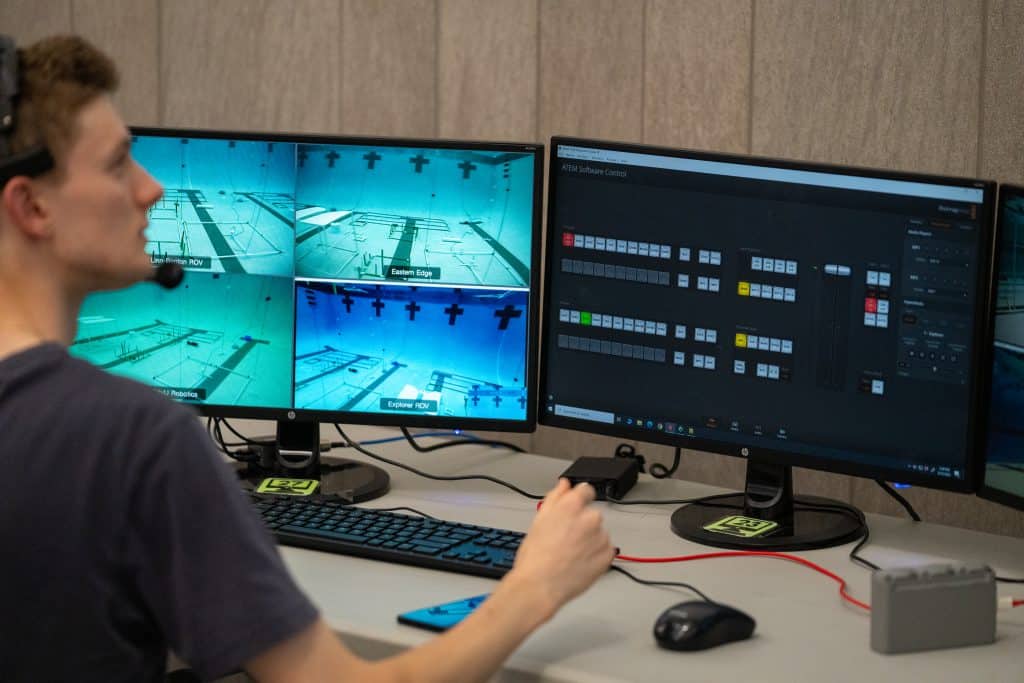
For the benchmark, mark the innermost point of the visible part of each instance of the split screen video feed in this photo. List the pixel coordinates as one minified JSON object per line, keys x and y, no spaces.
{"x":330,"y":277}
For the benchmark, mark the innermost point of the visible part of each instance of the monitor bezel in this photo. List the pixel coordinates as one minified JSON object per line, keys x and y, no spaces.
{"x":526,"y":425}
{"x":975,"y":442}
{"x":986,"y":491}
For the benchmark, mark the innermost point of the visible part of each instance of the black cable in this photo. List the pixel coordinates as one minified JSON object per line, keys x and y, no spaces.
{"x":854,"y":553}
{"x":1004,"y":579}
{"x":679,"y":501}
{"x":852,"y":513}
{"x":900,"y":499}
{"x":483,"y":477}
{"x":659,"y":471}
{"x":673,"y":584}
{"x":400,"y":507}
{"x":245,"y":439}
{"x":458,"y":442}
{"x":213,"y":429}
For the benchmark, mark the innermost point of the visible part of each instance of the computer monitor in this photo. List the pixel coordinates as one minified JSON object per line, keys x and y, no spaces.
{"x":1004,"y":470}
{"x":794,"y":314}
{"x":334,"y":279}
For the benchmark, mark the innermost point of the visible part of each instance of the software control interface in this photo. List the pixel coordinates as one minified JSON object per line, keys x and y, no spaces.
{"x":818,"y":313}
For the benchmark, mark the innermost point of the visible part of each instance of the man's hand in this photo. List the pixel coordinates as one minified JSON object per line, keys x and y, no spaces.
{"x":566,"y":549}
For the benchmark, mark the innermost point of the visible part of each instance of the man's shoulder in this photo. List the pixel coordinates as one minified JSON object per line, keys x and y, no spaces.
{"x":54,"y":380}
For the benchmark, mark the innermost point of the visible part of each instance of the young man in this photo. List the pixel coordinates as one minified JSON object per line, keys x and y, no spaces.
{"x":124,"y":534}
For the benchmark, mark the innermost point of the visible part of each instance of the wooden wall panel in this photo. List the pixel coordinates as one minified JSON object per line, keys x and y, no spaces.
{"x":390,"y":67}
{"x":29,"y":20}
{"x":876,"y":83}
{"x":251,"y":64}
{"x":1002,"y":124}
{"x":591,"y":80}
{"x":697,"y":74}
{"x":127,"y":30}
{"x":487,"y":82}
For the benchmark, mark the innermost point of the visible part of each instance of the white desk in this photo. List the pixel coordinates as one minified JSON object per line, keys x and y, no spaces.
{"x":804,"y":631}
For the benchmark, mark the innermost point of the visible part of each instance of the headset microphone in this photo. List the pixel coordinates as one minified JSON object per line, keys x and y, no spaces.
{"x":168,"y":275}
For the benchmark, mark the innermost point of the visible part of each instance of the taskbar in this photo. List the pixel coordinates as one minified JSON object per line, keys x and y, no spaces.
{"x":731,"y":431}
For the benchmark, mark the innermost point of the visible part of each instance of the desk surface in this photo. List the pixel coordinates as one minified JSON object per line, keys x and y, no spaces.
{"x":804,"y":631}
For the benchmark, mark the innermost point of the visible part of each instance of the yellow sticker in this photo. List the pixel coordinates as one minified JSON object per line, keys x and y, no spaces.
{"x":288,"y":487}
{"x":744,"y":527}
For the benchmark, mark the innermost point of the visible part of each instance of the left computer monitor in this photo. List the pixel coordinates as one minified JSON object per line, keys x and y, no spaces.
{"x":356,"y":280}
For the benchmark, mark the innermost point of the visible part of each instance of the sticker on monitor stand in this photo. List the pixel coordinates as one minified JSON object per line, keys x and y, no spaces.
{"x":744,"y":527}
{"x":288,"y":487}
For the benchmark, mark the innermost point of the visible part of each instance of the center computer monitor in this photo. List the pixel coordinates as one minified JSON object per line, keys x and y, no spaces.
{"x":793,"y":314}
{"x":1004,"y":470}
{"x":329,"y":279}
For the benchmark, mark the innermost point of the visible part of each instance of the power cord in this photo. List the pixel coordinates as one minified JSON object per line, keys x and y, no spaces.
{"x":483,"y":477}
{"x":672,"y":584}
{"x":900,"y":499}
{"x":242,"y":455}
{"x":401,"y":507}
{"x":468,"y":441}
{"x":755,"y":553}
{"x":657,"y":470}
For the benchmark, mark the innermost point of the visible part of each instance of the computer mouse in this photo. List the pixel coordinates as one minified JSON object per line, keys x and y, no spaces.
{"x":698,"y":625}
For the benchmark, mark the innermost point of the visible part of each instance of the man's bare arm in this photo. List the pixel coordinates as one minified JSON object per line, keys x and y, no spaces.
{"x":564,"y":553}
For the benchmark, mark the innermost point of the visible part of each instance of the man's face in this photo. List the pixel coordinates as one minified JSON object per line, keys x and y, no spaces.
{"x":100,"y":204}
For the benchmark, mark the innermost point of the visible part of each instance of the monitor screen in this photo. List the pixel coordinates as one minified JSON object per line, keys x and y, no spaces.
{"x":809,"y":315}
{"x":344,"y":279}
{"x":1004,"y":471}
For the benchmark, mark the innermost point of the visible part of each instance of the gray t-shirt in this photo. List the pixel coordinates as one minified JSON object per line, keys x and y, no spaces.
{"x":124,"y":534}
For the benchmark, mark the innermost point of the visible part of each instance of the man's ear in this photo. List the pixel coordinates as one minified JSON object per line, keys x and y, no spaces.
{"x":25,"y":208}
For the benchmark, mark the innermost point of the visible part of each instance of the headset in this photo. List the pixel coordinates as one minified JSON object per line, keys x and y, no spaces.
{"x":32,"y":162}
{"x":38,"y":160}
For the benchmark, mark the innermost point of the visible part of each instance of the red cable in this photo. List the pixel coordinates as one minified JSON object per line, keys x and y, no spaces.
{"x":1018,"y":603}
{"x":761,"y":553}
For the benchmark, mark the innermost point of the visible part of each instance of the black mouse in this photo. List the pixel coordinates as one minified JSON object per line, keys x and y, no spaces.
{"x":699,"y":625}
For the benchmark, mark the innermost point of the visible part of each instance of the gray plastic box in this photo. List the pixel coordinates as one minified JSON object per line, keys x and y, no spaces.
{"x":932,"y":607}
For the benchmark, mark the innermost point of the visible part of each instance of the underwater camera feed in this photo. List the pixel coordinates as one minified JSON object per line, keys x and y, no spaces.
{"x":228,"y":205}
{"x":411,"y":350}
{"x":1005,"y":469}
{"x":459,"y":217}
{"x":221,"y":339}
{"x":355,"y":277}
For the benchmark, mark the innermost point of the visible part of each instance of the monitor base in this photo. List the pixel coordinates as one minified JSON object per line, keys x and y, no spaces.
{"x":295,"y":453}
{"x":806,"y":530}
{"x":350,"y":480}
{"x":767,"y":516}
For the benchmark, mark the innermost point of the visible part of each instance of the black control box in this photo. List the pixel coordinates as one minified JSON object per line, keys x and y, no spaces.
{"x":612,"y":478}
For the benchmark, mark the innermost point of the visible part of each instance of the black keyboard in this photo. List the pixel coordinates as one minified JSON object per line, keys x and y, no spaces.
{"x":335,"y":527}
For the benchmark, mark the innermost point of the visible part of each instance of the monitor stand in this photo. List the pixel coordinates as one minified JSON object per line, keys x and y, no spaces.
{"x":800,"y":522}
{"x":295,"y":454}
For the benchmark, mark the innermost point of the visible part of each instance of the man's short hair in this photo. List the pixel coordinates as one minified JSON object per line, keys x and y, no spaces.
{"x":57,"y":77}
